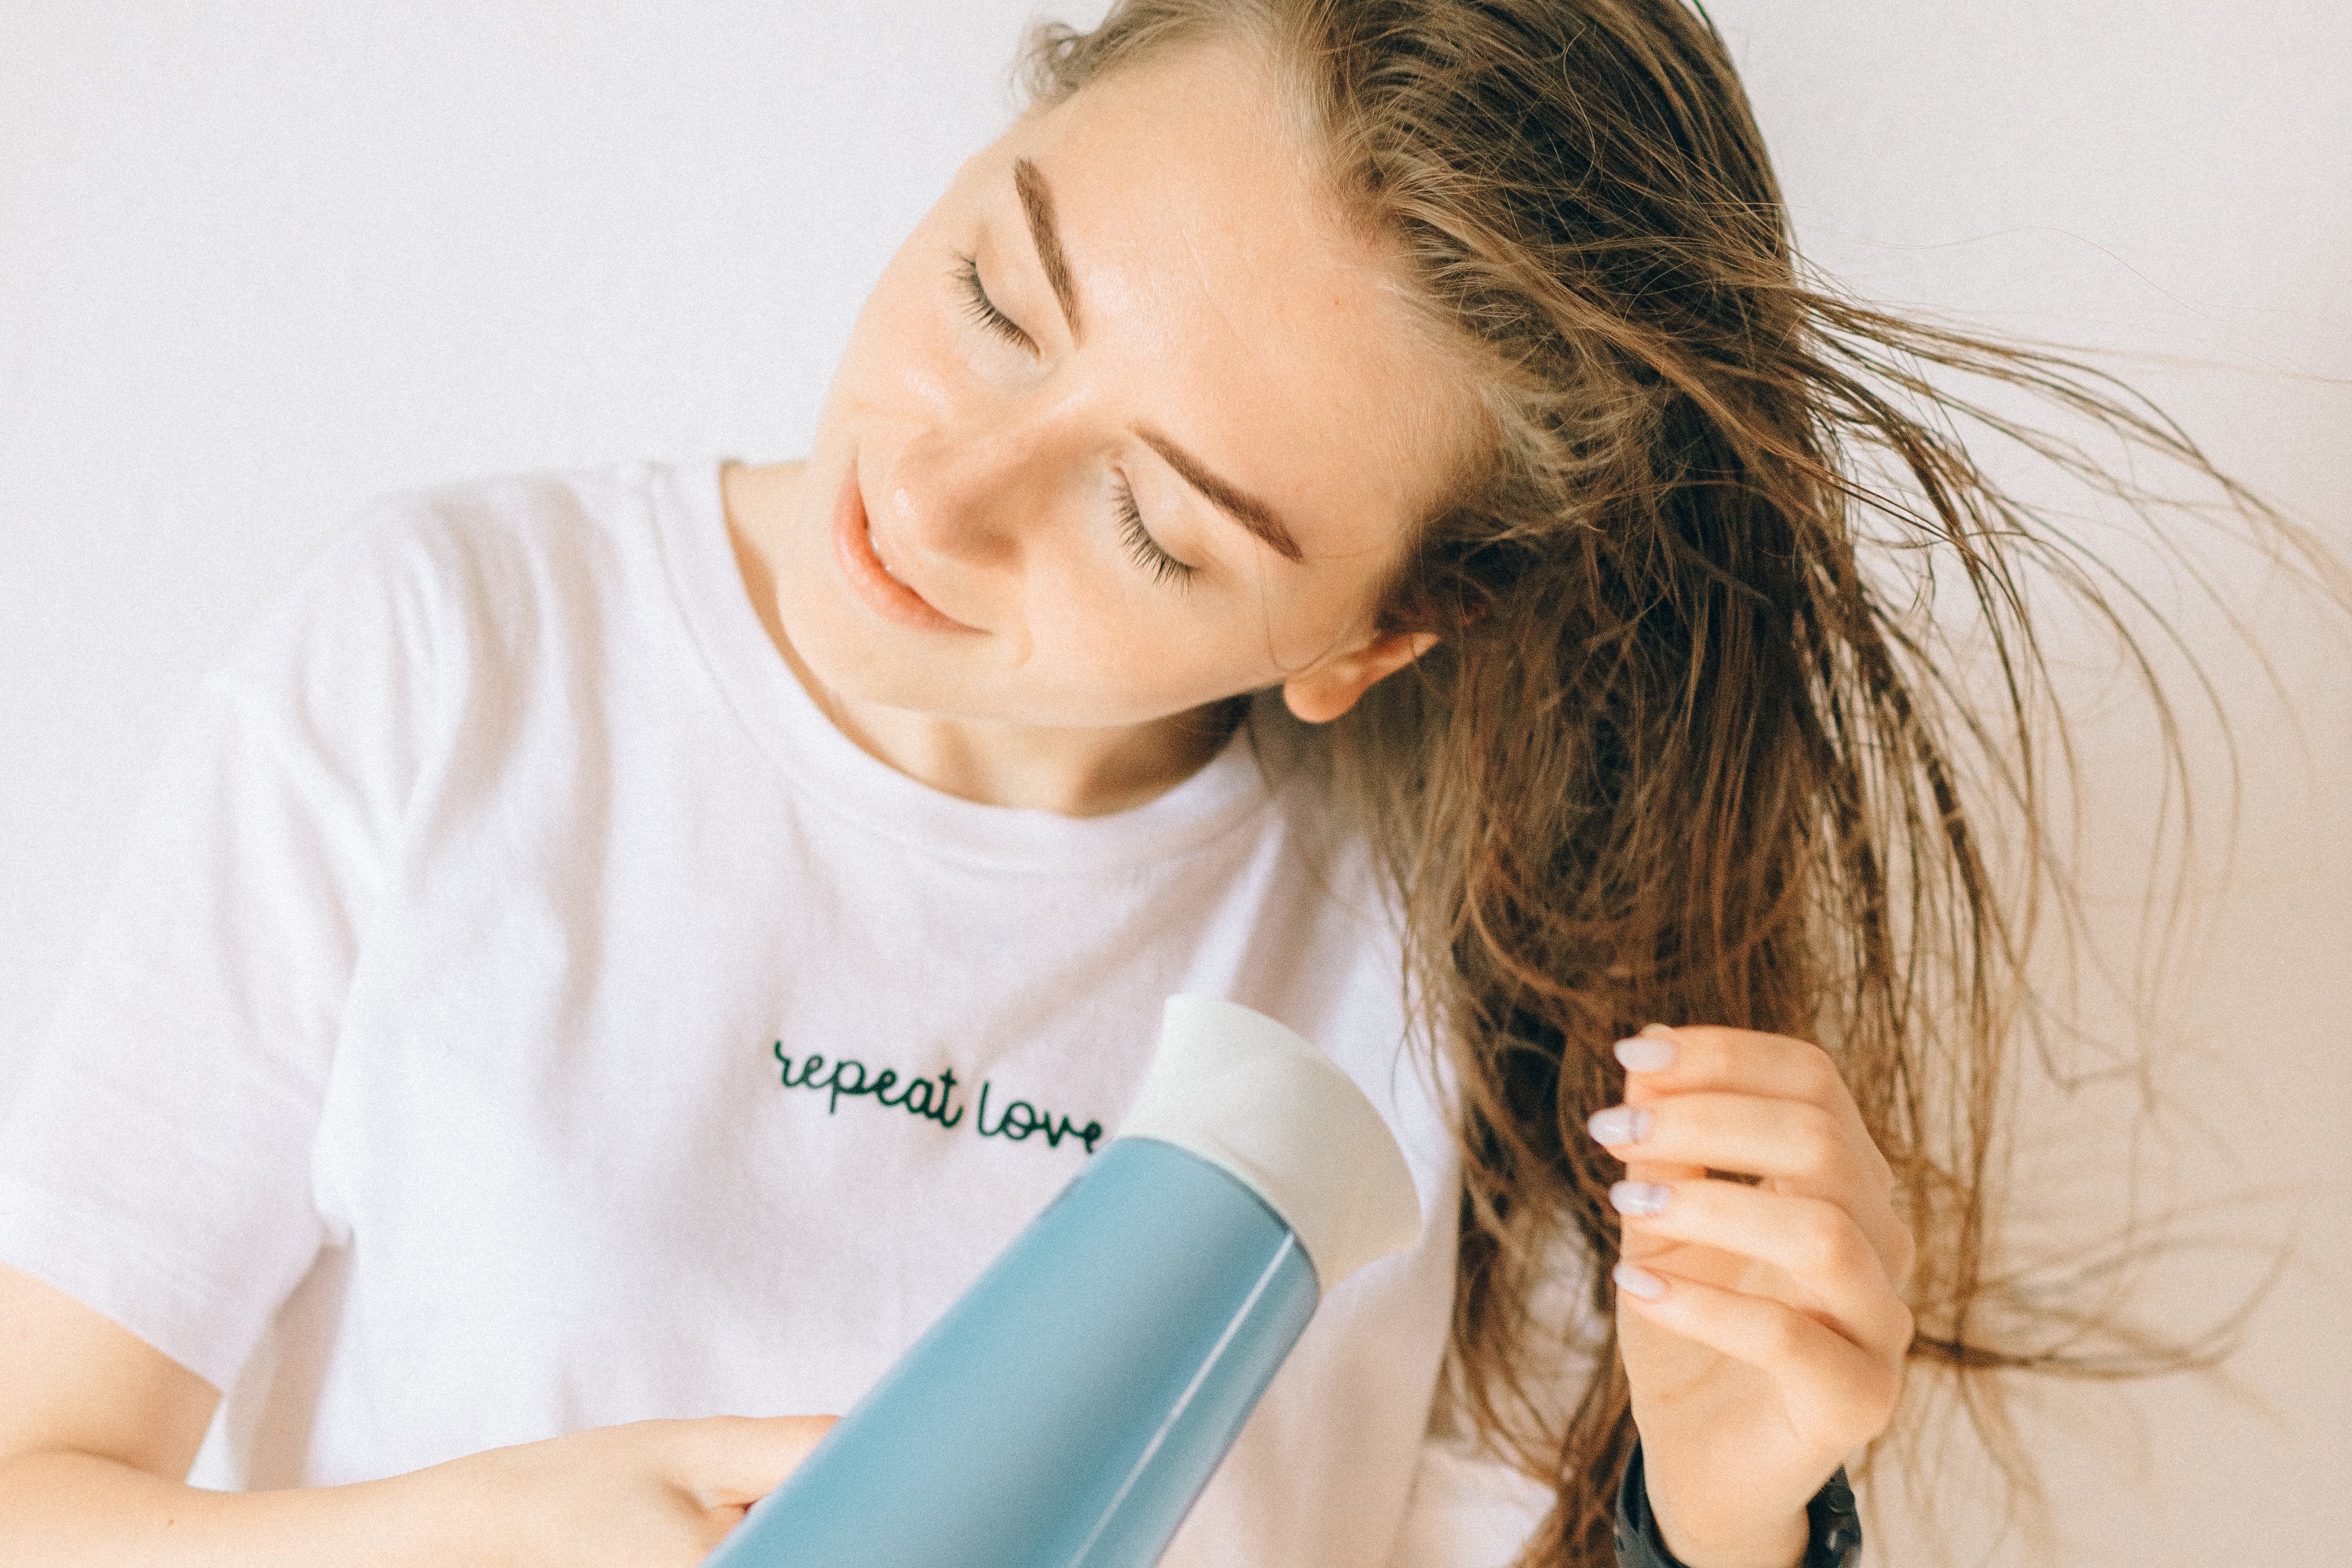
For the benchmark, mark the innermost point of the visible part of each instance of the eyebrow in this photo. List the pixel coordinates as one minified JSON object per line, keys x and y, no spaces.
{"x":1037,"y":205}
{"x":1250,"y":512}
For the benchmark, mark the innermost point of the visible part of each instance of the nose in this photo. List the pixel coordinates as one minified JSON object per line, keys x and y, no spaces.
{"x":965,"y":492}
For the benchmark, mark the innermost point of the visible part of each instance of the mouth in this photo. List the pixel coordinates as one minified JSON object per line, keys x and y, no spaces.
{"x":874,"y":585}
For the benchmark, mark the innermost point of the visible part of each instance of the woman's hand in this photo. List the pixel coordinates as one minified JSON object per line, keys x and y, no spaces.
{"x":1762,"y":1327}
{"x":652,"y":1494}
{"x":98,"y":1428}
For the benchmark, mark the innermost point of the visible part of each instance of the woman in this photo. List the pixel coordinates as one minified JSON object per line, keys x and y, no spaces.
{"x":1339,"y":493}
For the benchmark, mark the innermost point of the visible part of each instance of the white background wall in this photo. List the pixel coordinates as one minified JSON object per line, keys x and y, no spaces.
{"x":260,"y":261}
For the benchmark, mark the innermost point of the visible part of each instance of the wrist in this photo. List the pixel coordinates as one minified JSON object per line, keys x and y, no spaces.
{"x":1826,"y":1534}
{"x":1736,"y":1543}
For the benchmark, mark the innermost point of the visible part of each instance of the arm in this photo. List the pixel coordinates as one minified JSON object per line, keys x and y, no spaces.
{"x":98,"y":1429}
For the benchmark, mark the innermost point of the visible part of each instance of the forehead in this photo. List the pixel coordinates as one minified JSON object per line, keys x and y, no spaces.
{"x":1247,"y":316}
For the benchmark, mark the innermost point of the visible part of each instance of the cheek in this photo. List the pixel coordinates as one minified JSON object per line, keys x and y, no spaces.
{"x":1115,"y":653}
{"x":1299,"y":617}
{"x":901,"y":351}
{"x":1129,"y":652}
{"x":1307,"y":630}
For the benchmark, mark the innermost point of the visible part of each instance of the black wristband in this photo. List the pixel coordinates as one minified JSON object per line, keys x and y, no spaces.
{"x":1835,"y":1540}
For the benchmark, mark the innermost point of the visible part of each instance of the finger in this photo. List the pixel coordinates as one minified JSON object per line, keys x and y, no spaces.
{"x":1826,"y":1255}
{"x":1704,"y":1056}
{"x":1798,"y":1145}
{"x":1791,"y":1140}
{"x":733,"y":1461}
{"x":1837,"y":1392}
{"x":1660,"y":1061}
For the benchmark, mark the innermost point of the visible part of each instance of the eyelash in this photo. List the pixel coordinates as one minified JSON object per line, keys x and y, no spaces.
{"x":1142,"y":548}
{"x":983,"y":310}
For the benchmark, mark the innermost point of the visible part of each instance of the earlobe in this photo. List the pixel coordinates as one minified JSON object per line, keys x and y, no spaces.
{"x":1322,"y":693}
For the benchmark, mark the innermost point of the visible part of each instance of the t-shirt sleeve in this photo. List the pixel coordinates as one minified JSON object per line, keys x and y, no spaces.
{"x":156,"y":1164}
{"x":1469,"y":1509}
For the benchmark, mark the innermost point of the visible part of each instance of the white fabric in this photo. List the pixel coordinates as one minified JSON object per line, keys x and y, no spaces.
{"x":471,"y":1049}
{"x":1246,"y":1095}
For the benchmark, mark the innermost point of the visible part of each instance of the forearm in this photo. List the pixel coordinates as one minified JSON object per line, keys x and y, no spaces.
{"x":67,"y":1509}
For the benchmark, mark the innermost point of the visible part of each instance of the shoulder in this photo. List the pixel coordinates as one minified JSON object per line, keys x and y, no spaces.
{"x":512,"y":539}
{"x":492,"y":564}
{"x":428,"y":603}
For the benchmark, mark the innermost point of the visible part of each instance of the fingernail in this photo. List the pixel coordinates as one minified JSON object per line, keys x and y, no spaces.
{"x":1638,"y":1281}
{"x":1640,"y":1197}
{"x":1645,"y":1053}
{"x":1618,"y":1124}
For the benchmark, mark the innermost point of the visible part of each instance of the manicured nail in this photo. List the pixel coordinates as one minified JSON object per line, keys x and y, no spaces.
{"x":1638,"y":1281}
{"x":1645,"y":1053}
{"x":1640,"y":1197}
{"x":1618,"y":1124}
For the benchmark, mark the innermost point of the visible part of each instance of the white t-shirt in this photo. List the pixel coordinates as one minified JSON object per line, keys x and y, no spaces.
{"x":471,"y":1050}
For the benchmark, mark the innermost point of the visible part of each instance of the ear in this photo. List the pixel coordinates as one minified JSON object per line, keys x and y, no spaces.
{"x":1330,"y":688}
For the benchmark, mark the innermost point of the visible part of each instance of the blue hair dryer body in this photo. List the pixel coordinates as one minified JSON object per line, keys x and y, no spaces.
{"x":1071,"y":1404}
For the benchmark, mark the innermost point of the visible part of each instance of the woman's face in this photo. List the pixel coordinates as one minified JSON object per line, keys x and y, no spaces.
{"x":1131,"y":423}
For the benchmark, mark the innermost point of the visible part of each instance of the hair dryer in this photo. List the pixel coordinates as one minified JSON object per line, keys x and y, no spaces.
{"x":1069,"y":1408}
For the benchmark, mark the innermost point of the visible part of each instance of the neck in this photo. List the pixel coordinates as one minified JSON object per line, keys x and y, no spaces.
{"x":1070,"y":772}
{"x":1073,"y":772}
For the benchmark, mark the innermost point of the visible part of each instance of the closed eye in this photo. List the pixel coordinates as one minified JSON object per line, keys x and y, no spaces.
{"x":983,"y":310}
{"x":1143,"y":549}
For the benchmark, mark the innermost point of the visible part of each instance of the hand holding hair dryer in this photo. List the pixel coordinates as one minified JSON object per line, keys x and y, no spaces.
{"x":1069,"y":1408}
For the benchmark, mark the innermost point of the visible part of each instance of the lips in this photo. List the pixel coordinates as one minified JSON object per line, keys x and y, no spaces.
{"x":868,"y":579}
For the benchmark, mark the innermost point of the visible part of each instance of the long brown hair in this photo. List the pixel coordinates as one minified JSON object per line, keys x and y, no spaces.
{"x":1692,"y":746}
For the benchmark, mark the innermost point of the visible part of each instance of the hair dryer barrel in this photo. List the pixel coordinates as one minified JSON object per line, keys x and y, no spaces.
{"x":1070,"y":1407}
